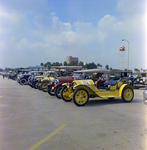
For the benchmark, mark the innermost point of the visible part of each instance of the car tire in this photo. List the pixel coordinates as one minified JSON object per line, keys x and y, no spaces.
{"x":80,"y":97}
{"x":23,"y":81}
{"x":49,"y":90}
{"x":58,"y":91}
{"x":36,"y":85}
{"x":44,"y":86}
{"x":64,"y":94}
{"x":127,"y":94}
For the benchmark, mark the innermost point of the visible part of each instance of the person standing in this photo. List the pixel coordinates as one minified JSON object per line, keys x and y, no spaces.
{"x":3,"y":76}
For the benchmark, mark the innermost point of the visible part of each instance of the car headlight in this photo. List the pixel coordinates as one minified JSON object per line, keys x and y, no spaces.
{"x":74,"y":85}
{"x":56,"y":81}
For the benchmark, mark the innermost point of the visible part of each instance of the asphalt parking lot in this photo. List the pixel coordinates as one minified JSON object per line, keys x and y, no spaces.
{"x":31,"y":119}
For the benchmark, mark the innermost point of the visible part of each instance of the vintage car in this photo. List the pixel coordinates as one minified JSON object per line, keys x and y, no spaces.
{"x":145,"y":97}
{"x":35,"y":76}
{"x":99,"y":75}
{"x":12,"y":75}
{"x":122,"y":74}
{"x":42,"y":83}
{"x":140,"y":80}
{"x":81,"y":90}
{"x":23,"y":78}
{"x":55,"y":87}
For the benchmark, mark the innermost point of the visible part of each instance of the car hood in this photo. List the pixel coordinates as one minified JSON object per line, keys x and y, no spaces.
{"x":65,"y":79}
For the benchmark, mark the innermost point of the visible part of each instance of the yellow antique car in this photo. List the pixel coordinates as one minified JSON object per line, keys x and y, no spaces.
{"x":43,"y":82}
{"x":81,"y":90}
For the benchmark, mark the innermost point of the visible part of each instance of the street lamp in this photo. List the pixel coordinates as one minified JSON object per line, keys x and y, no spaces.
{"x":128,"y":51}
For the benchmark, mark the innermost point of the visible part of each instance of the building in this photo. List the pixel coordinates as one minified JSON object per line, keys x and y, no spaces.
{"x":69,"y":59}
{"x":35,"y":68}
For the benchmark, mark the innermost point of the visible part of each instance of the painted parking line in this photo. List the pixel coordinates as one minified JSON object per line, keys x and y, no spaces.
{"x":47,"y":137}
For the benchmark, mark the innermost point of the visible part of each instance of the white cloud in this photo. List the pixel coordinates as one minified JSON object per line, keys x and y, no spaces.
{"x":33,"y":36}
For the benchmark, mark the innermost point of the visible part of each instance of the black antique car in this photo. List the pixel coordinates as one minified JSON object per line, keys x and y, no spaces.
{"x":140,"y":80}
{"x":23,"y":79}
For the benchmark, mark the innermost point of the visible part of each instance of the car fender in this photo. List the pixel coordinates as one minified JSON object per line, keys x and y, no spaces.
{"x":58,"y":84}
{"x":90,"y":91}
{"x":64,"y":84}
{"x":124,"y":86}
{"x":50,"y":84}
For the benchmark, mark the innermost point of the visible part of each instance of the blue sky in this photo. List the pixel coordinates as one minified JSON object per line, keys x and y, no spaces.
{"x":35,"y":31}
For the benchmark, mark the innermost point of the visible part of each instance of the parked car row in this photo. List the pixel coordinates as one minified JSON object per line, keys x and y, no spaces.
{"x":82,"y":85}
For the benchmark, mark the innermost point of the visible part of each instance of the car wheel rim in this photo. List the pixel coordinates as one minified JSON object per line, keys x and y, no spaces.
{"x":23,"y":81}
{"x":81,"y":97}
{"x":128,"y":94}
{"x":66,"y":93}
{"x":44,"y":86}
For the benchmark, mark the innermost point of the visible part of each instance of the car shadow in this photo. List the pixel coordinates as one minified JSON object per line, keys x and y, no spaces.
{"x":100,"y":102}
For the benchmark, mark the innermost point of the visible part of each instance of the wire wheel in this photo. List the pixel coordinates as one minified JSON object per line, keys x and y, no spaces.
{"x":80,"y":97}
{"x":65,"y":94}
{"x":127,"y":94}
{"x":23,"y":81}
{"x":44,"y":86}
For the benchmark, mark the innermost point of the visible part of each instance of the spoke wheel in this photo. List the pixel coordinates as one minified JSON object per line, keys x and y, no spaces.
{"x":127,"y":94}
{"x":23,"y":81}
{"x":80,"y":97}
{"x":58,"y":91}
{"x":36,"y":86}
{"x":50,"y":92}
{"x":44,"y":86}
{"x":65,"y":92}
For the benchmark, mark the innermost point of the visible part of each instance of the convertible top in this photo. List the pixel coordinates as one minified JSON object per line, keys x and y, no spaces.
{"x":94,"y":71}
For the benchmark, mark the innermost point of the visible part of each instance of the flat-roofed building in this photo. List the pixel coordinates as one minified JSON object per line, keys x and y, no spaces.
{"x":69,"y":59}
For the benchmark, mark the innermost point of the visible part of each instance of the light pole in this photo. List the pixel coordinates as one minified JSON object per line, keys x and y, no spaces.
{"x":128,"y":52}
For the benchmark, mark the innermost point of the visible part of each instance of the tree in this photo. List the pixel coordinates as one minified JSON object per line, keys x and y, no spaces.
{"x":98,"y":65}
{"x":101,"y":66}
{"x":65,"y":63}
{"x":56,"y":64}
{"x":73,"y":63}
{"x":81,"y":63}
{"x":45,"y":66}
{"x":42,"y":64}
{"x":91,"y":66}
{"x":1,"y":69}
{"x":48,"y":65}
{"x":137,"y":70}
{"x":107,"y":66}
{"x":76,"y":63}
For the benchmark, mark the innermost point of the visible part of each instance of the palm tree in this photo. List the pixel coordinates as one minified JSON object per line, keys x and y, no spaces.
{"x":42,"y":65}
{"x":98,"y":65}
